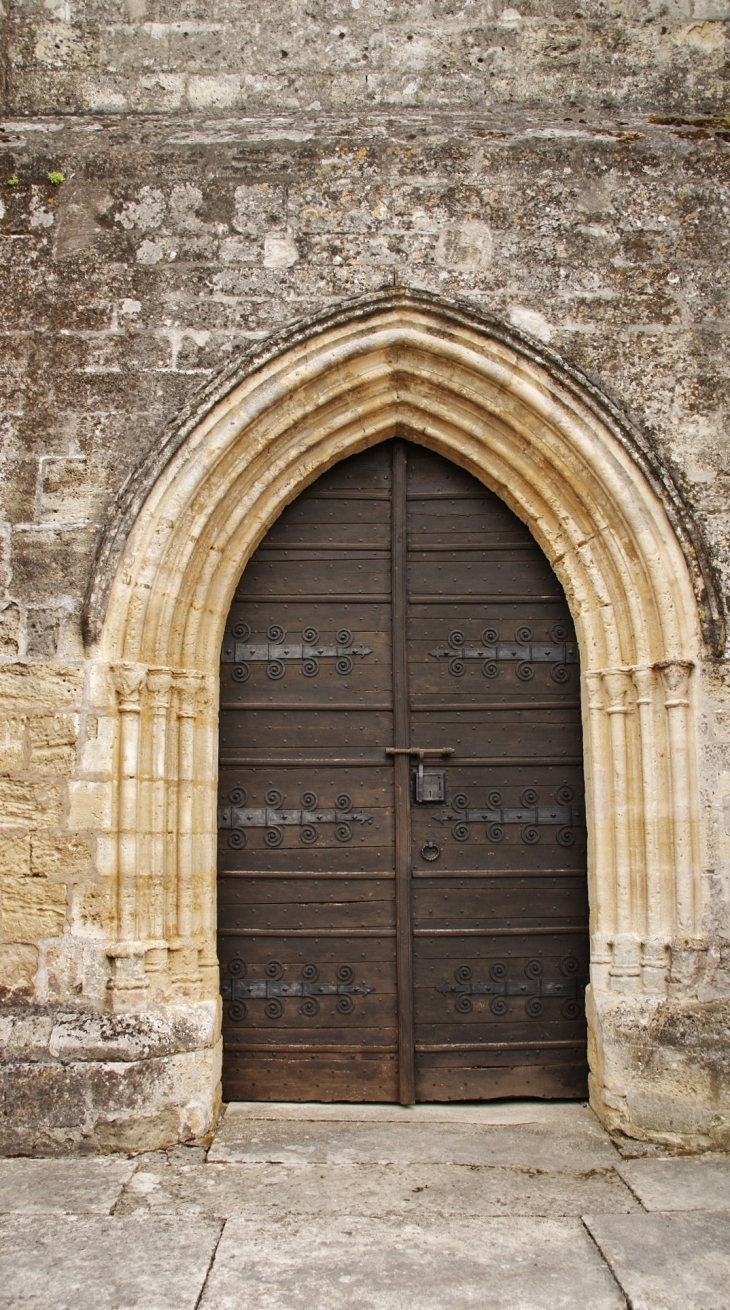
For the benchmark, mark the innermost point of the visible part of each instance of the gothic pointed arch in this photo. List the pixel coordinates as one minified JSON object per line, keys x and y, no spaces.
{"x":570,"y":465}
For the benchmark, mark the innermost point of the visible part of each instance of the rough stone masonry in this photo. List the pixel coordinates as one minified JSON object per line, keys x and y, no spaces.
{"x":178,"y":182}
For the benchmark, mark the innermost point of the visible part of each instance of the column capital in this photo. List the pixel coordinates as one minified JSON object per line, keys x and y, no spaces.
{"x":618,"y":685}
{"x":644,"y":681}
{"x":129,"y":679}
{"x":593,"y":680}
{"x":676,"y":675}
{"x":159,"y":686}
{"x":188,"y":686}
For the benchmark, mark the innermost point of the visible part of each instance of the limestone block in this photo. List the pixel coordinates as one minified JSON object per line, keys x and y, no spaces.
{"x":142,"y":1036}
{"x":9,"y":630}
{"x":29,"y":805}
{"x":156,"y":1263}
{"x":71,"y":489}
{"x":43,"y":627}
{"x":59,"y":856}
{"x":545,"y":1146}
{"x":530,"y":1262}
{"x":53,"y":743}
{"x":12,"y":743}
{"x":465,"y":245}
{"x":14,"y":855}
{"x":18,"y":965}
{"x":100,"y":687}
{"x":403,"y":1192}
{"x":106,"y":854}
{"x":37,"y":687}
{"x":28,"y":1039}
{"x":73,"y":968}
{"x":667,"y":1261}
{"x":50,"y":562}
{"x":140,"y":1105}
{"x":82,"y":206}
{"x":6,"y":1031}
{"x":32,"y":908}
{"x":62,"y":1186}
{"x":214,"y":92}
{"x":97,"y":744}
{"x":90,"y":805}
{"x":90,"y":910}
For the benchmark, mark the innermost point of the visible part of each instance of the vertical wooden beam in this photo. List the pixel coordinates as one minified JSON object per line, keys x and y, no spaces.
{"x":402,"y":781}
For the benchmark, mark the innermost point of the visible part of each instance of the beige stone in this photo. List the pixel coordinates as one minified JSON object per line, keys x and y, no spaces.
{"x":14,"y":854}
{"x":52,"y":743}
{"x":90,"y":805}
{"x":59,"y":856}
{"x":12,"y":744}
{"x":91,"y":910}
{"x":32,"y":909}
{"x":9,"y":630}
{"x":29,"y":804}
{"x":71,"y":490}
{"x":18,"y":964}
{"x":35,"y":687}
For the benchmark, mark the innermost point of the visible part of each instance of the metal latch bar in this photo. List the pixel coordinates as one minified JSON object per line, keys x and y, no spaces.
{"x":419,"y":752}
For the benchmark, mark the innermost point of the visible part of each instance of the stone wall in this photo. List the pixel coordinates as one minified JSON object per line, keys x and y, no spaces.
{"x":297,"y":155}
{"x":166,"y":56}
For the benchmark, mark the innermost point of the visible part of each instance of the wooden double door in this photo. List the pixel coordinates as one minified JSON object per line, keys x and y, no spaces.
{"x":402,"y":849}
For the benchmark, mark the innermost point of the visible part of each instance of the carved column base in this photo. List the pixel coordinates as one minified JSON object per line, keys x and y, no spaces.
{"x":208,"y":968}
{"x":156,"y":966}
{"x":184,"y":970}
{"x":654,"y":966}
{"x":688,"y":957}
{"x":601,"y":961}
{"x":128,"y":985}
{"x":625,"y":972}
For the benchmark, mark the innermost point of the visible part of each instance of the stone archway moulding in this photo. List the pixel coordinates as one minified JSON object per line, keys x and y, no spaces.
{"x":561,"y":456}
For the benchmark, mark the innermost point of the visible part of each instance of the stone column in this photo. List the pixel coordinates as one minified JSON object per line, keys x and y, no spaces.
{"x":159,"y":686}
{"x":128,"y":983}
{"x":625,"y":970}
{"x":129,"y":680}
{"x":600,"y":837}
{"x":676,"y":674}
{"x":654,"y":960}
{"x":185,"y":961}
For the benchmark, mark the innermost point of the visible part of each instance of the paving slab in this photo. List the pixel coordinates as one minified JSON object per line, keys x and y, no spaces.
{"x":668,"y":1261}
{"x":69,"y":1186}
{"x":489,"y":1264}
{"x":531,"y":1145}
{"x":564,"y":1113}
{"x":679,"y":1184}
{"x":410,"y":1191}
{"x":150,"y":1263}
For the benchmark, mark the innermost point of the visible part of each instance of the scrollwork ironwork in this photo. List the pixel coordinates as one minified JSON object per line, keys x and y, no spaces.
{"x":533,"y":987}
{"x":523,"y":653}
{"x":276,"y":653}
{"x":274,"y":818}
{"x":531,"y":816}
{"x":238,"y":988}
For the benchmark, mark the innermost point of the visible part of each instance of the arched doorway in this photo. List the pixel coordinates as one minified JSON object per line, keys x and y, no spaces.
{"x":613,"y":526}
{"x":402,"y":893}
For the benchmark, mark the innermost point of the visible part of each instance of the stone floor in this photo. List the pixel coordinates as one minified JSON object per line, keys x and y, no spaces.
{"x":506,"y":1206}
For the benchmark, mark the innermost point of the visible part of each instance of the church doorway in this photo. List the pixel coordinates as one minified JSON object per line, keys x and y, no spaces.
{"x":402,"y":890}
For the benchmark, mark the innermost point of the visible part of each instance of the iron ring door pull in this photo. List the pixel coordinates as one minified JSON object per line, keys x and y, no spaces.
{"x":431,"y":786}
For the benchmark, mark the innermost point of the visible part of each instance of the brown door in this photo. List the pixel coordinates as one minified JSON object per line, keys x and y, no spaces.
{"x":402,"y":855}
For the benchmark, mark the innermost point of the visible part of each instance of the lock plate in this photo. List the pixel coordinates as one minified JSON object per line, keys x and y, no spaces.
{"x":429,"y":785}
